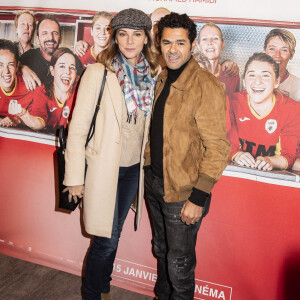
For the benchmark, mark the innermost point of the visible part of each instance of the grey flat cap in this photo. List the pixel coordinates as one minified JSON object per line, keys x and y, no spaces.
{"x":131,"y":18}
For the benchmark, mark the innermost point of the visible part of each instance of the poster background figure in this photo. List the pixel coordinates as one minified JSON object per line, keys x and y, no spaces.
{"x":210,"y":42}
{"x":12,"y":86}
{"x":280,"y":44}
{"x":243,"y":41}
{"x":100,"y":32}
{"x":265,"y":124}
{"x":38,"y":60}
{"x":53,"y":102}
{"x":25,"y":24}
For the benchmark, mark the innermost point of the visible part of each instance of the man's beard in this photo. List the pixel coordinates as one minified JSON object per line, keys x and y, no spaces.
{"x":50,"y":50}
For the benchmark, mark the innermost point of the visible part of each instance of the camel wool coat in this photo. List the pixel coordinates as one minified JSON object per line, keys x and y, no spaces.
{"x":103,"y":151}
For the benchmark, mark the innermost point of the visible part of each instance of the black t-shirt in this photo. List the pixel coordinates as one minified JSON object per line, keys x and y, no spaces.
{"x":156,"y":133}
{"x":36,"y":62}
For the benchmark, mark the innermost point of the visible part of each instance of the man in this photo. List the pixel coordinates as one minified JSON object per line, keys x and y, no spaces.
{"x":38,"y":60}
{"x":185,"y":156}
{"x":25,"y":26}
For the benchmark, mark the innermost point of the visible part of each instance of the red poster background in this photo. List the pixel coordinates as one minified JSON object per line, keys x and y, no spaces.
{"x":248,"y":246}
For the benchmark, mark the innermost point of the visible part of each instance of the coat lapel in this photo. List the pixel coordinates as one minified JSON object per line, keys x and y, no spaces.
{"x":115,"y":95}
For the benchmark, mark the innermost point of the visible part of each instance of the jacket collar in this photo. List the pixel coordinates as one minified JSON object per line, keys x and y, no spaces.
{"x":183,"y":79}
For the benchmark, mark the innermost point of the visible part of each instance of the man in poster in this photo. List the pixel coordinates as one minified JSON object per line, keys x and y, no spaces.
{"x":38,"y":60}
{"x":185,"y":156}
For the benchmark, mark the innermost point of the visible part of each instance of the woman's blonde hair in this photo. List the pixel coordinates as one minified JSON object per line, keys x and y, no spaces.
{"x":103,"y":14}
{"x":112,"y":50}
{"x":211,"y":24}
{"x":285,"y":35}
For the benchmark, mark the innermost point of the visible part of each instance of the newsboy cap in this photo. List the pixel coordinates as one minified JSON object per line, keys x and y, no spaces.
{"x":131,"y":18}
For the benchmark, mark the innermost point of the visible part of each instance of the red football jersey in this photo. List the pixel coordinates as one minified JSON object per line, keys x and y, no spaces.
{"x":88,"y":58}
{"x":232,"y":84}
{"x":19,"y":93}
{"x":276,"y":133}
{"x":50,"y":110}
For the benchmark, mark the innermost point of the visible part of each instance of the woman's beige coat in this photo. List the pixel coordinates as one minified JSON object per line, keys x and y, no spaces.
{"x":103,"y":151}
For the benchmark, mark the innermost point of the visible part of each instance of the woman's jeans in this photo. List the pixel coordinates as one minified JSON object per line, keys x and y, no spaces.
{"x":174,"y":243}
{"x":100,"y":259}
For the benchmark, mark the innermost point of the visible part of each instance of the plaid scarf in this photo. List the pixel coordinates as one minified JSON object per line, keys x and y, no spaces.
{"x":136,"y":83}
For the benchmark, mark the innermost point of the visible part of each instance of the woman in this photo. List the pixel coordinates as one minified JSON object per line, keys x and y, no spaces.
{"x":280,"y":44}
{"x":25,"y":24}
{"x":265,"y":124}
{"x":211,"y":43}
{"x":100,"y":33}
{"x":12,"y":87}
{"x":114,"y":153}
{"x":53,"y":102}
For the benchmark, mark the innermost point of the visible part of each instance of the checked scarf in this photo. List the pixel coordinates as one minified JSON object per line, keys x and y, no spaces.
{"x":136,"y":83}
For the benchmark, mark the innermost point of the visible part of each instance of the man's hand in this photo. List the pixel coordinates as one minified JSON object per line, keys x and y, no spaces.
{"x":30,"y":78}
{"x":81,"y":47}
{"x":230,"y":68}
{"x":190,"y":213}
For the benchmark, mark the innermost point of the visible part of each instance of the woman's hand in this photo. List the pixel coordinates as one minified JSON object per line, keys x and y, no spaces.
{"x":263,"y":163}
{"x":81,"y":47}
{"x":14,"y":108}
{"x":230,"y":68}
{"x":245,"y":159}
{"x":10,"y":122}
{"x":269,"y":163}
{"x":74,"y":191}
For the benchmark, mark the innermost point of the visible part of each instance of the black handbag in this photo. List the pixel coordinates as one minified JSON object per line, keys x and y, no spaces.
{"x":62,"y":136}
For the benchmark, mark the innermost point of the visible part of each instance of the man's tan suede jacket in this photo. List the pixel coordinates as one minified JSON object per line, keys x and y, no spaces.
{"x":195,"y":147}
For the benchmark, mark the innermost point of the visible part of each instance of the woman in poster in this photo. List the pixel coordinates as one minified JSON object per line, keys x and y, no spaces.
{"x":25,"y":24}
{"x":13,"y":90}
{"x":100,"y":33}
{"x":280,"y":44}
{"x":211,"y":43}
{"x":53,"y":102}
{"x":265,"y":124}
{"x":114,"y":154}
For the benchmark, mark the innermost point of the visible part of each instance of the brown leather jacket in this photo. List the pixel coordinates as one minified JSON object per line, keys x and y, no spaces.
{"x":195,"y":147}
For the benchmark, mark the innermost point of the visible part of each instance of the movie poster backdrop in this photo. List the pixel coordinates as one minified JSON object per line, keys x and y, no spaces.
{"x":242,"y":38}
{"x":241,"y":41}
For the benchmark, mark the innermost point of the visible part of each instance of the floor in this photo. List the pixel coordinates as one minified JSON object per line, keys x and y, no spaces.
{"x":21,"y":280}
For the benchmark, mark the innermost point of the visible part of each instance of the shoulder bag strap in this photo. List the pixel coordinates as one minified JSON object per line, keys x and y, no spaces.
{"x":92,"y":127}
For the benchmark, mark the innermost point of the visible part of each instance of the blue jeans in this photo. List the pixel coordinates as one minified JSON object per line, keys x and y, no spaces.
{"x":174,"y":243}
{"x":100,"y":259}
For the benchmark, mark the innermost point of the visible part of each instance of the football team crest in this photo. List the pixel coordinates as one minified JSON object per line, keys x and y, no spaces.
{"x":271,"y":125}
{"x":66,"y":112}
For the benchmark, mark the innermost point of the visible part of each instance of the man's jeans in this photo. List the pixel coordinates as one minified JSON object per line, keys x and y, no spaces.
{"x":173,"y":243}
{"x":100,"y":259}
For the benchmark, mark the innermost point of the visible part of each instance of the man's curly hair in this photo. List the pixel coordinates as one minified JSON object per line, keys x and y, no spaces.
{"x":175,"y":20}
